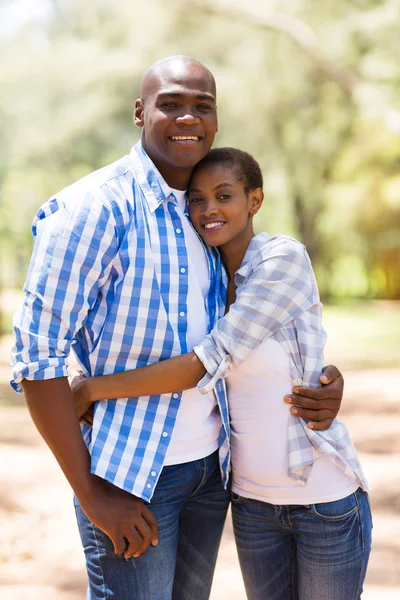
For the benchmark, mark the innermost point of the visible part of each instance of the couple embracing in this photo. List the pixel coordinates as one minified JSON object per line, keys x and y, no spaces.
{"x":191,"y":335}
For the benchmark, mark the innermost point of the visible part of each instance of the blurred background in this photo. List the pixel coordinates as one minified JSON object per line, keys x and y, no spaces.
{"x":312,"y":89}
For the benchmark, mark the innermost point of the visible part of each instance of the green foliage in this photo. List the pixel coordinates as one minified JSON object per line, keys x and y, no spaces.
{"x":315,"y":117}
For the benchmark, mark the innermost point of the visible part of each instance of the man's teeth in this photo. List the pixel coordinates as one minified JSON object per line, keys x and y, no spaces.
{"x":212,"y":225}
{"x":183,"y":138}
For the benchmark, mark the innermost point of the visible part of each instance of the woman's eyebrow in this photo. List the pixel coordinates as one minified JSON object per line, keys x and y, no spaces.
{"x":225,"y":184}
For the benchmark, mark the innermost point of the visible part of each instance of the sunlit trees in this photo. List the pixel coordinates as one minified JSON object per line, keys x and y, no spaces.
{"x":312,"y":91}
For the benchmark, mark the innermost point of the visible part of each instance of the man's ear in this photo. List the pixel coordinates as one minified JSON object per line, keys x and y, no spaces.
{"x":138,"y":113}
{"x":256,"y":200}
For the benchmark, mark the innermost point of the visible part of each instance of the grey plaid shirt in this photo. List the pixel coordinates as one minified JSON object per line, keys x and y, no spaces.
{"x":277,"y":296}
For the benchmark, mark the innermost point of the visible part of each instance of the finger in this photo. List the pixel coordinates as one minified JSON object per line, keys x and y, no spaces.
{"x":320,"y":425}
{"x":304,"y":402}
{"x":329,"y":374}
{"x":118,"y":543}
{"x":88,"y":415}
{"x":312,"y":415}
{"x":133,"y":542}
{"x":152,"y":523}
{"x":146,"y":534}
{"x":87,"y":420}
{"x":324,"y":392}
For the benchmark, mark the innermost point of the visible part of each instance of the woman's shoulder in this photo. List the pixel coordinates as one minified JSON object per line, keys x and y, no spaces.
{"x":279,"y":245}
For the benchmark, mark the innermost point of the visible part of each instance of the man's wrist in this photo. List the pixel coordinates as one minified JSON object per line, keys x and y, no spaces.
{"x":88,"y":489}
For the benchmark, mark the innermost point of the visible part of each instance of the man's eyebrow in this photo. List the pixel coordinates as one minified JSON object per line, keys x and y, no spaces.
{"x":208,"y":97}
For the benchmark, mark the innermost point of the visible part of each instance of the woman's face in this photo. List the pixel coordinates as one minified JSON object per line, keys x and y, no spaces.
{"x":219,"y":208}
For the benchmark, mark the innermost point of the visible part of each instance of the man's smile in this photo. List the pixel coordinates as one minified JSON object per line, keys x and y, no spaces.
{"x":184,"y":138}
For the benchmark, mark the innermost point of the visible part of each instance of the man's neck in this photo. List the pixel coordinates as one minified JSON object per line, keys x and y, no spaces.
{"x":176,"y":177}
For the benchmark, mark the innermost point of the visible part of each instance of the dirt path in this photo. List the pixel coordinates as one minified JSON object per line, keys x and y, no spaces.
{"x":40,"y":552}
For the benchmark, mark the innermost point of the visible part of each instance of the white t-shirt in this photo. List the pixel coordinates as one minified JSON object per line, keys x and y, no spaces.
{"x":259,"y":427}
{"x":196,"y":431}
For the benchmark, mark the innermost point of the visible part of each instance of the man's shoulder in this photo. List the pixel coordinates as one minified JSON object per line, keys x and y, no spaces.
{"x":95,"y":196}
{"x":93,"y":183}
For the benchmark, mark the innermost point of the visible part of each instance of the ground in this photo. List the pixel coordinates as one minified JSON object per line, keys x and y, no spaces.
{"x":40,"y":552}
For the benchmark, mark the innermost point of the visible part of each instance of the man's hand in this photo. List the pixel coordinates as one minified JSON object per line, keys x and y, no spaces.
{"x":126,"y":520}
{"x":319,"y":405}
{"x":123,"y":517}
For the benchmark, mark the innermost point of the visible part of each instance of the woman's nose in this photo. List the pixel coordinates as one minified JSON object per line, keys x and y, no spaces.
{"x":209,"y":209}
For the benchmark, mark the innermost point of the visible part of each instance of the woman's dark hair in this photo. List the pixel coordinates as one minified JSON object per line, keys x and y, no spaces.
{"x":247,"y":168}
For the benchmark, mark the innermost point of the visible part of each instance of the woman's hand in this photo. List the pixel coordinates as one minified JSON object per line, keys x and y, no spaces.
{"x":81,"y":395}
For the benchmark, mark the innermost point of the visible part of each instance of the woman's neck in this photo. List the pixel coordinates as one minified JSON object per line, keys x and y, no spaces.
{"x":232,"y":253}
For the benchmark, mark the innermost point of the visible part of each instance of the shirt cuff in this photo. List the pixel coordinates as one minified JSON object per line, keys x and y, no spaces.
{"x":216,"y":367}
{"x":38,"y":371}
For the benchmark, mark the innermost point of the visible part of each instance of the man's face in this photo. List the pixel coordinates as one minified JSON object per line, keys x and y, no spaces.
{"x":179,"y":119}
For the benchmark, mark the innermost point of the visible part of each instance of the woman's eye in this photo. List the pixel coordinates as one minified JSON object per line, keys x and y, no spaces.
{"x":194,"y":200}
{"x":224,"y":196}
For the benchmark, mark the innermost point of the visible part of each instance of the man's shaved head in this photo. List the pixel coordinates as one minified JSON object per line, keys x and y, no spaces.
{"x":177,"y":68}
{"x":178,"y":116}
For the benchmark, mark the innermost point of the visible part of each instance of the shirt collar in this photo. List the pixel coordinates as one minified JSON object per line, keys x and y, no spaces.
{"x":253,"y":250}
{"x":154,"y":187}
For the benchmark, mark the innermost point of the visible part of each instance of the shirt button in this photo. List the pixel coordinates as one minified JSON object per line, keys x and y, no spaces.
{"x":181,"y":314}
{"x":149,"y":485}
{"x":183,"y":270}
{"x":165,"y":434}
{"x":178,"y":230}
{"x":175,"y":395}
{"x":153,"y":474}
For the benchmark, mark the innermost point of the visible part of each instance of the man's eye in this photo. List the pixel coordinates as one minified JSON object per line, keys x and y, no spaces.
{"x":169,"y":105}
{"x":204,"y":107}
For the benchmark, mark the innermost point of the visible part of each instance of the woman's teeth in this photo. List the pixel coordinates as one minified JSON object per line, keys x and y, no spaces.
{"x":212,"y":225}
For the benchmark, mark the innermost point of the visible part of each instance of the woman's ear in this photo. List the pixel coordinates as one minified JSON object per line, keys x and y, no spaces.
{"x":256,"y":200}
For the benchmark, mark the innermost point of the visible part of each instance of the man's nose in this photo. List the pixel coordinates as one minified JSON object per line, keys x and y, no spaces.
{"x":187,"y":118}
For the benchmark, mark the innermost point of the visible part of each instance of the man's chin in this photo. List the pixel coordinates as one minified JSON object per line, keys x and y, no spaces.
{"x":186,"y":157}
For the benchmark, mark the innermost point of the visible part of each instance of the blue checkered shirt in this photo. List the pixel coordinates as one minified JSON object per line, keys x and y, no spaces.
{"x":277,"y":296}
{"x":109,"y":279}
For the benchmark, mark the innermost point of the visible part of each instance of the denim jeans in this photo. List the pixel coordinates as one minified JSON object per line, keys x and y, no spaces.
{"x":190,"y":505}
{"x":292,"y":552}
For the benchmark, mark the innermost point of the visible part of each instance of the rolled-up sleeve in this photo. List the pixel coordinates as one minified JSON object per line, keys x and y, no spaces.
{"x":75,"y":242}
{"x":278,"y":287}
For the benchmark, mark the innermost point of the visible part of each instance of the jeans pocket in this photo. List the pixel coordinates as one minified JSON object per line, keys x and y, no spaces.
{"x":337,"y":510}
{"x":235,"y":498}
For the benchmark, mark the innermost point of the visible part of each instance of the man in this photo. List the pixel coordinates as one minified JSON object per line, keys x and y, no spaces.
{"x":118,"y":274}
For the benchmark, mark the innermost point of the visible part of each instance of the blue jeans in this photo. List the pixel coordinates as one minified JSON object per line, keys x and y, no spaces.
{"x":292,"y":552}
{"x":190,"y":506}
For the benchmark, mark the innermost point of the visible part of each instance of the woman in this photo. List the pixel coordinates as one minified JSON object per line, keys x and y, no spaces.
{"x":299,"y":498}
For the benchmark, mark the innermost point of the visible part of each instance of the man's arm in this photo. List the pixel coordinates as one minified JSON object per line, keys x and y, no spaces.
{"x":75,"y":243}
{"x":280,"y":291}
{"x":124,"y":518}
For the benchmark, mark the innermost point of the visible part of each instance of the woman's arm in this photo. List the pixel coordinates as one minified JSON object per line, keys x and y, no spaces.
{"x":172,"y":375}
{"x":260,"y":309}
